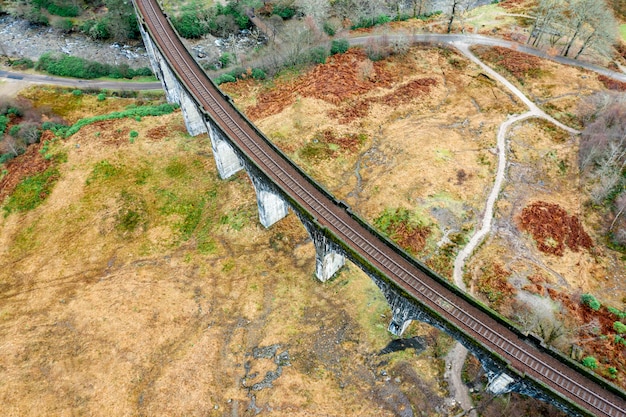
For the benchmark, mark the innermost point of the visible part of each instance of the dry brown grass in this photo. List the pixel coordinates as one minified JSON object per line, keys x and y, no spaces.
{"x":98,"y":320}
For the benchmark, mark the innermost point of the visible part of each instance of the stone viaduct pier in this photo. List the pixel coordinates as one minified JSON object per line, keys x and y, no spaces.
{"x":513,"y":361}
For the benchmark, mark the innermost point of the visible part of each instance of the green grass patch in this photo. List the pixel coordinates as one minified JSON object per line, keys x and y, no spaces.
{"x":103,"y":171}
{"x":132,"y":113}
{"x":32,"y":191}
{"x":176,"y":169}
{"x":622,"y":31}
{"x":133,"y":213}
{"x":236,"y":219}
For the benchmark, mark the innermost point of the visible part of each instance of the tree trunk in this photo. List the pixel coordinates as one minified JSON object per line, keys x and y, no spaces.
{"x":571,"y":41}
{"x":585,"y":44}
{"x":452,"y":16}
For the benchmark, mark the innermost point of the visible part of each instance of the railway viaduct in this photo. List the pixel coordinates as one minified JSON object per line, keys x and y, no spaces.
{"x":513,"y":361}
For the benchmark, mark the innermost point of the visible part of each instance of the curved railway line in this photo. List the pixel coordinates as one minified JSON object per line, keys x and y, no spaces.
{"x":423,"y":285}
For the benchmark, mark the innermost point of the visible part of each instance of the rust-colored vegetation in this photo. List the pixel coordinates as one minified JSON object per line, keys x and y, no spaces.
{"x":596,"y":334}
{"x":612,"y":84}
{"x":553,"y":229}
{"x":27,"y":165}
{"x":493,"y":282}
{"x":328,"y":144}
{"x":334,"y":82}
{"x":402,"y":95}
{"x":519,"y":64}
{"x":405,"y":228}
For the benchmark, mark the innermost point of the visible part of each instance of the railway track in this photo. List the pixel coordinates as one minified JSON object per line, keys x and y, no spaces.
{"x":525,"y":358}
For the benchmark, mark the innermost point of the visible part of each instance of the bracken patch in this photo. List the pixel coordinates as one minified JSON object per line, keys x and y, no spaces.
{"x":553,"y":229}
{"x":26,"y":165}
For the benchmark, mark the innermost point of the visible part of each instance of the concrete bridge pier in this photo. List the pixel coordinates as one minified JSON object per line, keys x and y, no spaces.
{"x":272,"y":207}
{"x":329,"y":258}
{"x":226,"y":159}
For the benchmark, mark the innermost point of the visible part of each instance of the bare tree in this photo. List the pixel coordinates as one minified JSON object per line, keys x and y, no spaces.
{"x":419,"y":6}
{"x":600,"y":32}
{"x":457,"y":7}
{"x":316,"y":9}
{"x":548,"y":20}
{"x":579,"y":14}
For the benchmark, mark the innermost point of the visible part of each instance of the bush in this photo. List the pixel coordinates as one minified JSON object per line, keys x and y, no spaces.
{"x":226,"y":59}
{"x":329,"y":29}
{"x":134,"y":134}
{"x":77,"y":93}
{"x":318,"y":55}
{"x":225,"y":78}
{"x":64,"y":25}
{"x":4,"y":121}
{"x":285,"y":12}
{"x":619,"y":327}
{"x":339,"y":46}
{"x":14,"y":111}
{"x":590,"y":362}
{"x":258,"y":74}
{"x":23,"y":63}
{"x":189,"y":26}
{"x":101,"y":97}
{"x":590,"y":301}
{"x":35,"y":17}
{"x":15,"y":129}
{"x":97,"y":29}
{"x":372,"y":21}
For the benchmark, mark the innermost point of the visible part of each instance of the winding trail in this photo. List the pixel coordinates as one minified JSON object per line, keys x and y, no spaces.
{"x":456,"y":356}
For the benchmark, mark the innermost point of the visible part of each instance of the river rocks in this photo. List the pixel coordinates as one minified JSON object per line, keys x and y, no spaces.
{"x":16,"y":40}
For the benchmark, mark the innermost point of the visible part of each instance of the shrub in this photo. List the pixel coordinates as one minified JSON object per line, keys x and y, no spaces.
{"x":36,"y":18}
{"x":4,"y":121}
{"x":96,"y":29}
{"x":14,"y":111}
{"x":226,"y":59}
{"x":318,"y":55}
{"x":64,"y":10}
{"x":133,"y":134}
{"x":225,"y":78}
{"x":590,"y":362}
{"x":23,"y":63}
{"x":258,"y":74}
{"x":77,"y":93}
{"x":14,"y":130}
{"x":619,"y":327}
{"x":329,"y":29}
{"x":372,"y":21}
{"x":101,"y":97}
{"x":339,"y":46}
{"x":618,"y":313}
{"x":189,"y":26}
{"x":285,"y":12}
{"x":64,"y":25}
{"x":590,"y":301}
